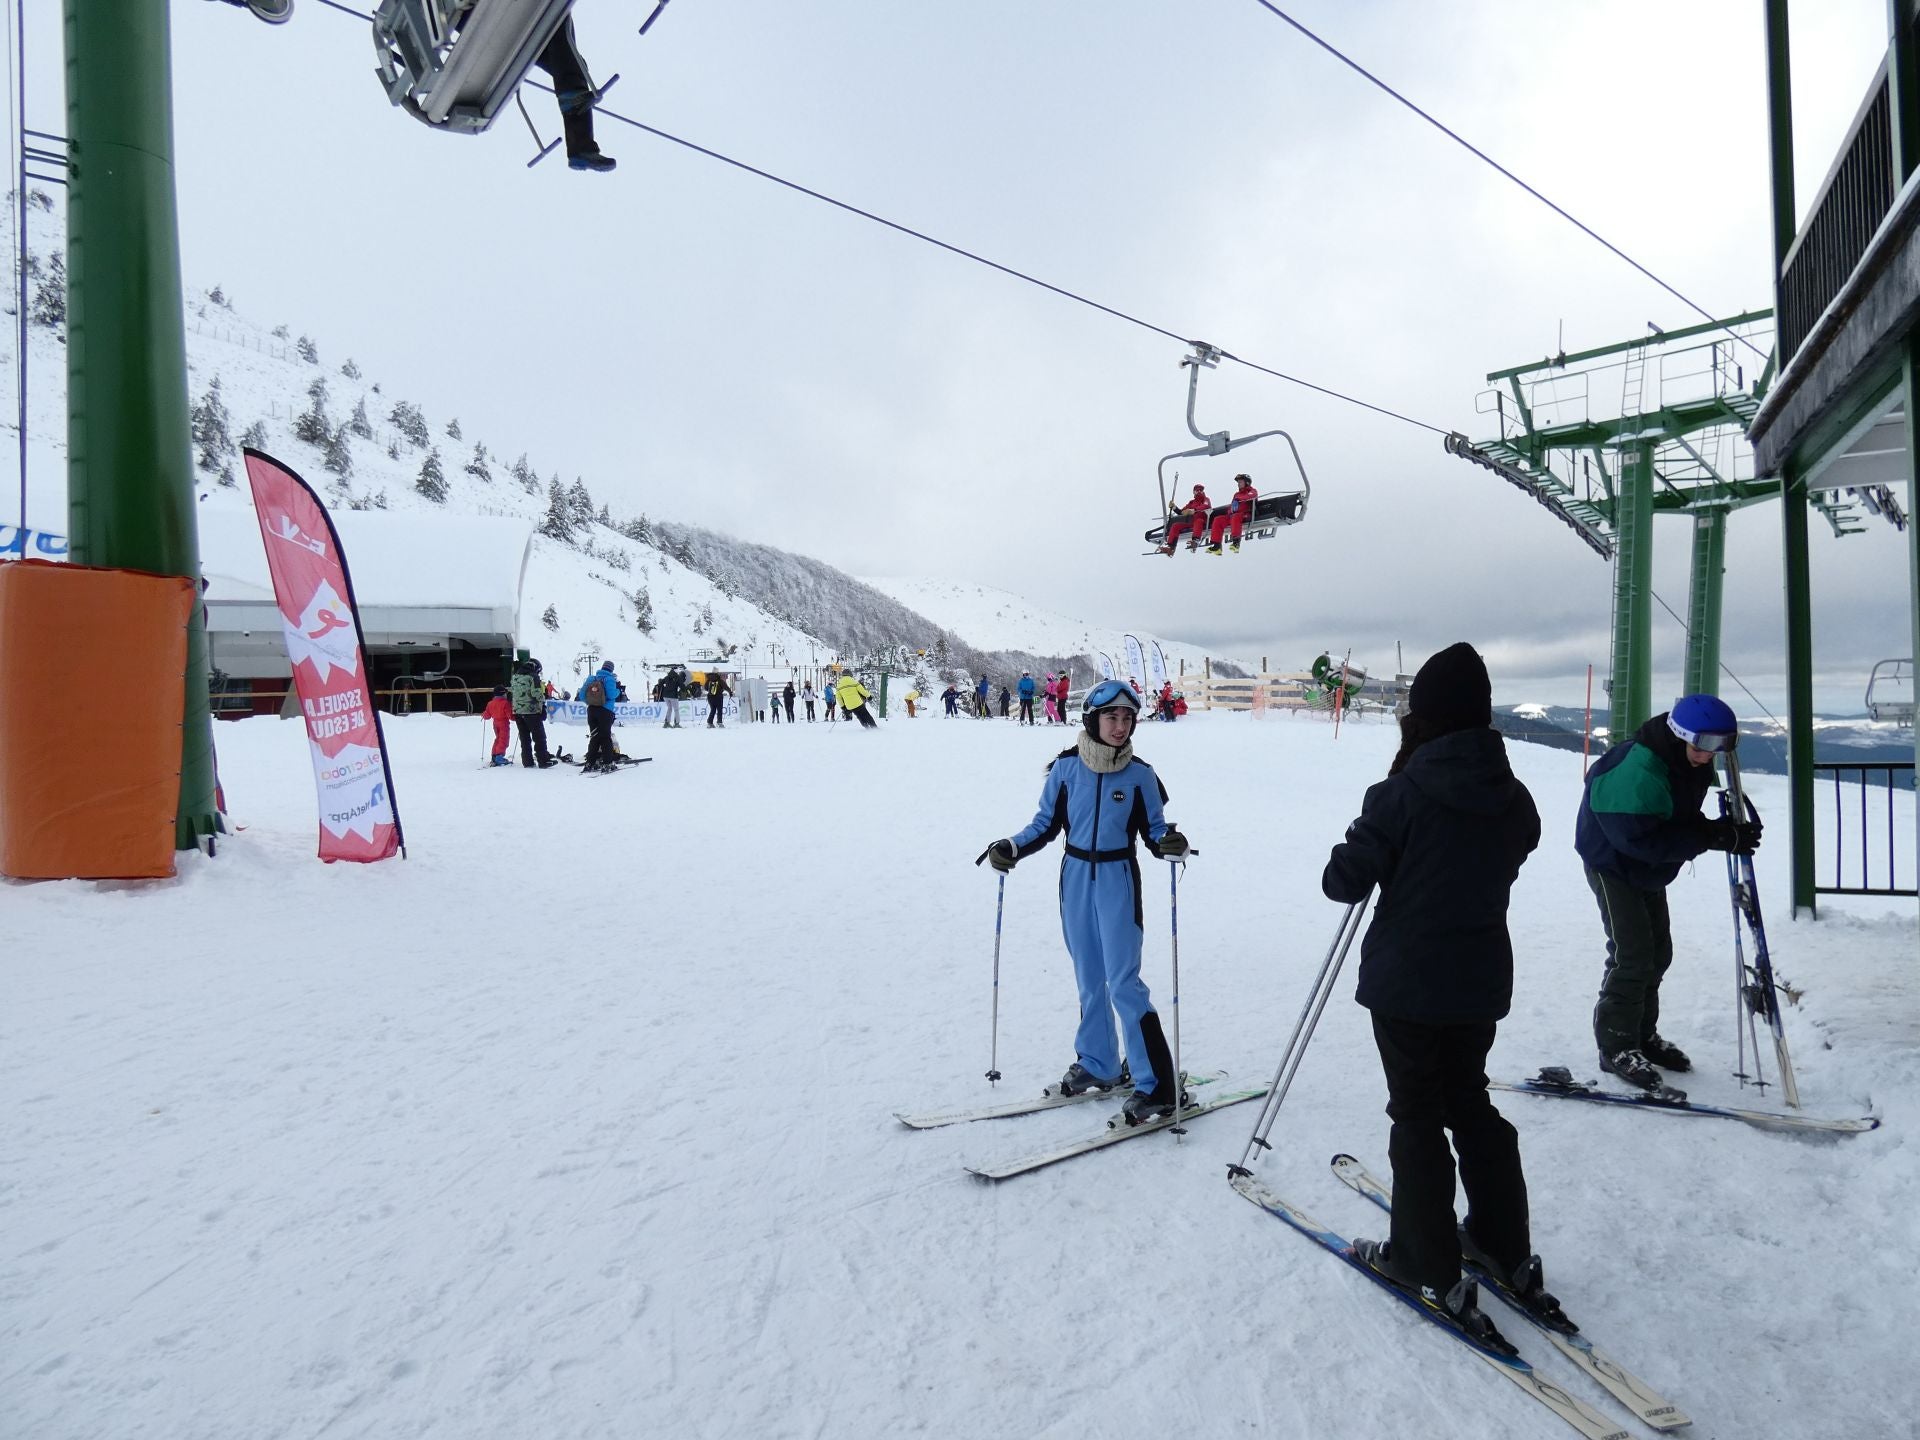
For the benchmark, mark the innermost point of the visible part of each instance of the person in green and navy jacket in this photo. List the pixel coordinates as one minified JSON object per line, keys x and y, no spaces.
{"x":1640,"y":821}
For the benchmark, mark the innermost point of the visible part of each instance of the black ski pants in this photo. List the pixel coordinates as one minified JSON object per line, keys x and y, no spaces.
{"x":599,"y":735}
{"x":1026,"y":712}
{"x":1437,"y":1082}
{"x":533,"y":738}
{"x":1639,"y":950}
{"x":811,"y":717}
{"x":716,"y":711}
{"x":789,"y":704}
{"x":571,"y":87}
{"x":864,"y":716}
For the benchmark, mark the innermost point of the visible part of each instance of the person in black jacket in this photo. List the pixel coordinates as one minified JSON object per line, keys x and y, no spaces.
{"x":1443,"y":837}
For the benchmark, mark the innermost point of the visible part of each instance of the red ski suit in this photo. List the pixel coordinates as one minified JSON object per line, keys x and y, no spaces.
{"x":500,"y":711}
{"x":1238,"y":513}
{"x":1191,"y":520}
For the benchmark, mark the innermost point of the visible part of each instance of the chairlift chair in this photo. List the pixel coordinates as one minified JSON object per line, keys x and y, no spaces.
{"x":454,"y":64}
{"x":1270,"y":511}
{"x":1890,"y":692}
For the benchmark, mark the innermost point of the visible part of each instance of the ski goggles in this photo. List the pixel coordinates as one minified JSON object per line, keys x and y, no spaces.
{"x":1109,"y":693}
{"x":1713,"y":742}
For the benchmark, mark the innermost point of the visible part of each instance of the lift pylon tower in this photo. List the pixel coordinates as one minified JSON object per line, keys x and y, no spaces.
{"x":1674,"y":444}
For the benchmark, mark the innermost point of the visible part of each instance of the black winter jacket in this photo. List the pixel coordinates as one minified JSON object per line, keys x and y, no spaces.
{"x":1444,"y":840}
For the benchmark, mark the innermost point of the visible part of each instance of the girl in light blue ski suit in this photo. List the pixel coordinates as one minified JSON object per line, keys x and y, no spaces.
{"x":1103,"y":798}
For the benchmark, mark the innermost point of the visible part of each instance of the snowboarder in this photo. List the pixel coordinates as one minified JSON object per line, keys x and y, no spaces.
{"x":1103,"y":798}
{"x":1239,"y":511}
{"x":853,"y":701}
{"x":1190,"y":518}
{"x":571,"y":87}
{"x":499,"y":710}
{"x":1443,"y":837}
{"x":598,"y":695}
{"x":530,"y":713}
{"x":1639,"y":822}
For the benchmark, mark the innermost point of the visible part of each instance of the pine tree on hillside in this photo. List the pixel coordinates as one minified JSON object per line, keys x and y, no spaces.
{"x":643,"y":611}
{"x":639,"y":529}
{"x":604,"y":517}
{"x":279,"y":332}
{"x":208,"y":420}
{"x":48,"y":307}
{"x":579,"y":503}
{"x":339,"y":456}
{"x":550,"y":619}
{"x":431,"y":482}
{"x":453,"y":429}
{"x":523,"y":472}
{"x":558,"y":524}
{"x":227,"y":477}
{"x":359,"y":424}
{"x":255,"y":436}
{"x":412,"y":425}
{"x":393,"y":448}
{"x":308,"y":351}
{"x":350,"y":370}
{"x":314,"y":425}
{"x":477,"y":466}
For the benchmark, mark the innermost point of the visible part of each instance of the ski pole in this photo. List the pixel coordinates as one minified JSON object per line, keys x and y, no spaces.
{"x":999,"y":908}
{"x":1173,"y":910}
{"x":1303,"y":1028}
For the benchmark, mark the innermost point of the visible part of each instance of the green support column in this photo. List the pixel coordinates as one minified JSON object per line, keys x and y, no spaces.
{"x":1703,"y":603}
{"x":1799,"y":607}
{"x":130,"y":488}
{"x":1632,"y":699}
{"x":1910,"y":395}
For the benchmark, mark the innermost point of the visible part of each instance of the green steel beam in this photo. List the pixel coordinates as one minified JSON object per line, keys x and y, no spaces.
{"x":1799,"y":616}
{"x":1780,"y":134}
{"x":1560,"y":362}
{"x":129,"y":459}
{"x":1631,"y":700}
{"x":1911,"y":395}
{"x":1703,"y":602}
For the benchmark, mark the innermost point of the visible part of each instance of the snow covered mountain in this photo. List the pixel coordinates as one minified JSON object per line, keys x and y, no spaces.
{"x":635,"y":590}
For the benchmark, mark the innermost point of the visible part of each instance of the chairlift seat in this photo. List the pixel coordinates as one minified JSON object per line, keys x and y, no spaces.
{"x":1270,"y":512}
{"x":454,"y":64}
{"x":1890,"y":692}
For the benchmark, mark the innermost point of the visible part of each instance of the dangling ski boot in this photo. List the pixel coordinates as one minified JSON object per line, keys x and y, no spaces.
{"x":1079,"y":1080}
{"x":1666,"y":1054}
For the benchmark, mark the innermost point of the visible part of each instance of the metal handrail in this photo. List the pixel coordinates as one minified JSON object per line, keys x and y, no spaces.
{"x":1890,"y":769}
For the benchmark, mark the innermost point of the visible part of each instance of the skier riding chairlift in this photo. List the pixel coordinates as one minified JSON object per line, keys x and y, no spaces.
{"x":454,"y":64}
{"x":1270,"y":512}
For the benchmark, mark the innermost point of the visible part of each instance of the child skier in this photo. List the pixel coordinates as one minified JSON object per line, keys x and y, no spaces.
{"x":500,"y":711}
{"x":1443,"y":837}
{"x":1103,"y":798}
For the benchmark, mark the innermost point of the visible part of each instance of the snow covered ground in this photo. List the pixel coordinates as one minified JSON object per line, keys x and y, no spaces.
{"x":579,"y":1122}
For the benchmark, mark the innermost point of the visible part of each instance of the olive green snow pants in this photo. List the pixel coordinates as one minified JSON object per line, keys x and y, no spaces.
{"x":1639,"y":950}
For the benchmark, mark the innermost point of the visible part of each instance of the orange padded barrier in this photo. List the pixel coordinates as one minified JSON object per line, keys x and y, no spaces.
{"x":92,"y":686}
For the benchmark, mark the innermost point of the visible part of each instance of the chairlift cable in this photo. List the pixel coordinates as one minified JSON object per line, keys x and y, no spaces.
{"x":1723,"y":664}
{"x":965,"y":254}
{"x":1587,"y":230}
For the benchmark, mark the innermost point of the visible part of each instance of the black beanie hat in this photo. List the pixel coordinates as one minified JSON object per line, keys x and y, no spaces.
{"x":1452,"y":691}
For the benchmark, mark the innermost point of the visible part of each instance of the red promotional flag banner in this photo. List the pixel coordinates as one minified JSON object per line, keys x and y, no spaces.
{"x":358,"y":819}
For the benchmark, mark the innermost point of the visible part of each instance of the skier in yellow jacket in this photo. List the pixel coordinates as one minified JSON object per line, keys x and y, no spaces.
{"x":853,"y":697}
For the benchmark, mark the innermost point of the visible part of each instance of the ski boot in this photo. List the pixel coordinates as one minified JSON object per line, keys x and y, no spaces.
{"x":1079,"y":1080}
{"x":590,"y":160}
{"x":1635,"y":1068}
{"x":501,"y":760}
{"x":1666,"y":1054}
{"x":1525,"y":1286}
{"x":1145,"y":1105}
{"x":1458,"y":1308}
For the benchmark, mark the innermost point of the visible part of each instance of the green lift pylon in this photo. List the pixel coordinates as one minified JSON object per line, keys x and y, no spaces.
{"x":130,"y":490}
{"x":1608,"y":478}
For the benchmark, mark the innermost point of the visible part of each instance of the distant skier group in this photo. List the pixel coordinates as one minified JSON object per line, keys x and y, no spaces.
{"x":1441,"y":839}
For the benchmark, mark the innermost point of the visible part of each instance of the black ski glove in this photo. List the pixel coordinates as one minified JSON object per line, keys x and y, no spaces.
{"x":1001,"y":855}
{"x":1728,"y":835}
{"x":1172,"y":845}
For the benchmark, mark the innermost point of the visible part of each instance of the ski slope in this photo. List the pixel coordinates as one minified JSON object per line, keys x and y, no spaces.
{"x":579,"y":1122}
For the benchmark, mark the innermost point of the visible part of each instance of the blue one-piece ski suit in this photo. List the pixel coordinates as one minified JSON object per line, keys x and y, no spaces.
{"x":1100,"y":902}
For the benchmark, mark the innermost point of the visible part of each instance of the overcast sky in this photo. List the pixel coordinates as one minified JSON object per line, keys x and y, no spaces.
{"x":706,"y":346}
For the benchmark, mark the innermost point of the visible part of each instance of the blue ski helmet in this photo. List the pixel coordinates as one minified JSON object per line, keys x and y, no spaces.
{"x":1705,"y":722}
{"x":1108,"y":695}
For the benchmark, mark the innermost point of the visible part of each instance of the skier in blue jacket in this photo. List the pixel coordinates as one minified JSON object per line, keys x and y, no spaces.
{"x":1103,"y":798}
{"x":1028,"y":689}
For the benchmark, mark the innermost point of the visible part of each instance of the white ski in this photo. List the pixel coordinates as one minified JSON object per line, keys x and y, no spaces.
{"x":1049,"y":1099}
{"x":1112,"y":1136}
{"x":1629,"y":1389}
